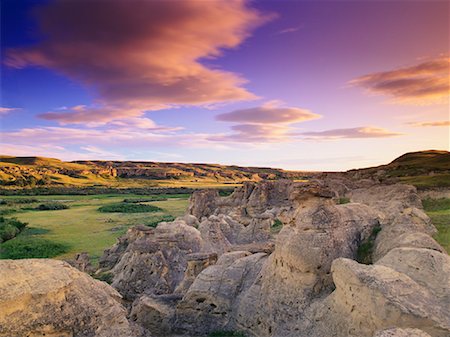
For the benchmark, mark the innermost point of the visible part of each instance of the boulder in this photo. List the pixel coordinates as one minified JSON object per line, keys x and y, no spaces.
{"x":41,"y":297}
{"x":369,"y":298}
{"x":429,"y":268}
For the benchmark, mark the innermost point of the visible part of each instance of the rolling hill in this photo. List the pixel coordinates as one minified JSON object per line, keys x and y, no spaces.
{"x":18,"y":172}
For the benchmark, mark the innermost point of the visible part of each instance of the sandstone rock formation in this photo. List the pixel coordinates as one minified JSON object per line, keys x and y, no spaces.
{"x":50,"y":298}
{"x":278,"y":259}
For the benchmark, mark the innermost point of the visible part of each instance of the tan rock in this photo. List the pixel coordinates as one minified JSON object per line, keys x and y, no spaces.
{"x":41,"y":297}
{"x":396,"y":332}
{"x":375,"y":297}
{"x":429,"y":268}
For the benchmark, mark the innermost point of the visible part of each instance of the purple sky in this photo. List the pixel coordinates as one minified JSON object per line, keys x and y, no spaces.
{"x":294,"y":84}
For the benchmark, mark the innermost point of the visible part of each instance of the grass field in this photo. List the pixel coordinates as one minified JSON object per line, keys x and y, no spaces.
{"x":81,"y":227}
{"x":439,"y":212}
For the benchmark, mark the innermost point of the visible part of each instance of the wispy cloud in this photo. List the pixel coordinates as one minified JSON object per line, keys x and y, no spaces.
{"x":359,"y":132}
{"x":141,"y":57}
{"x":425,"y":83}
{"x":4,"y":111}
{"x":426,"y":124}
{"x":289,"y":30}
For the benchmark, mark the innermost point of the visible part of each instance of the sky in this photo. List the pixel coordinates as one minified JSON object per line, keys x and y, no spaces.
{"x":305,"y":85}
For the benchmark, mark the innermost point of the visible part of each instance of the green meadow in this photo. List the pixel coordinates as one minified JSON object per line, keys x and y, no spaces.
{"x":81,"y":227}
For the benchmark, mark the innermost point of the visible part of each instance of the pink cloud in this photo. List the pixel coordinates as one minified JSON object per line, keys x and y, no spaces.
{"x":268,"y":114}
{"x":426,"y":124}
{"x":4,"y":111}
{"x":268,"y":123}
{"x":424,"y":83}
{"x":359,"y":132}
{"x":142,"y":56}
{"x":255,"y":133}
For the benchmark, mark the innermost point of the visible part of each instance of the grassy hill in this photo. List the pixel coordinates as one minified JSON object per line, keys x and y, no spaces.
{"x":423,"y":169}
{"x":30,"y":172}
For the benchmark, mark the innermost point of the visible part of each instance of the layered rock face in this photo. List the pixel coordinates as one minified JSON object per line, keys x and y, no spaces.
{"x":50,"y":298}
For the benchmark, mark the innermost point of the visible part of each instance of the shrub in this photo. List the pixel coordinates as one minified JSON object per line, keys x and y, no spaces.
{"x":225,"y":192}
{"x":277,"y":225}
{"x":31,"y":247}
{"x":129,"y":208}
{"x":343,"y":200}
{"x":155,"y":221}
{"x":365,"y":249}
{"x":104,"y":276}
{"x":52,"y":206}
{"x":9,"y":228}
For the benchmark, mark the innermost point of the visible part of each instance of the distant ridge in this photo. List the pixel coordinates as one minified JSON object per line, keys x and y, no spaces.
{"x":19,"y":172}
{"x":423,"y":168}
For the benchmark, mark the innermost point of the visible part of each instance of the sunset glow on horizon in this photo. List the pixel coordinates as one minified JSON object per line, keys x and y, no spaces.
{"x":306,"y":85}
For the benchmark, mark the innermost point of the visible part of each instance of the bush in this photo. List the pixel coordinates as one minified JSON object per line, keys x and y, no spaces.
{"x":277,"y":225}
{"x":225,"y":192}
{"x":128,"y":208}
{"x":342,"y":201}
{"x":155,"y":221}
{"x":52,"y":206}
{"x":31,"y":247}
{"x":365,"y":249}
{"x":104,"y":276}
{"x":9,"y":228}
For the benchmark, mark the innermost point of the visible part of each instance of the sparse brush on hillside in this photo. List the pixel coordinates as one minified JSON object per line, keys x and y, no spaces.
{"x":128,"y":208}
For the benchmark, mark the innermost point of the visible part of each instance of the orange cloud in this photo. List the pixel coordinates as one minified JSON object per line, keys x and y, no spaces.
{"x":424,"y":83}
{"x":359,"y":132}
{"x":142,"y":56}
{"x":425,"y":124}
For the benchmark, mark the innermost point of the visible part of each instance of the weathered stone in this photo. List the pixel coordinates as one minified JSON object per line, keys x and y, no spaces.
{"x":196,"y":263}
{"x":429,"y":268}
{"x":397,"y":332}
{"x":40,"y":297}
{"x":154,"y":261}
{"x":82,"y":262}
{"x":371,"y":298}
{"x":155,"y":314}
{"x":208,"y":305}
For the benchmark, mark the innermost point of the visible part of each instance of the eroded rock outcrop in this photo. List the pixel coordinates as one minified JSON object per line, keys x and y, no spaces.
{"x":40,"y":297}
{"x":369,"y":298}
{"x":277,"y":259}
{"x":153,"y":259}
